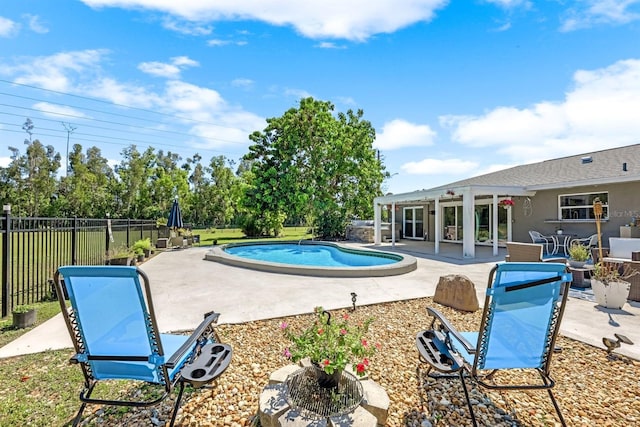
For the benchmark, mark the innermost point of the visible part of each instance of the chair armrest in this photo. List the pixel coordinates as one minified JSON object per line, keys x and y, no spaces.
{"x":470,"y":348}
{"x":210,"y":318}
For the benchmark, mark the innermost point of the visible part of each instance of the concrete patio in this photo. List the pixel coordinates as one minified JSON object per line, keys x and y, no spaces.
{"x":185,"y":286}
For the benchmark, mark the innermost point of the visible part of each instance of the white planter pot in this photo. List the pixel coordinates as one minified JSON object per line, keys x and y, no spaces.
{"x":613,"y":295}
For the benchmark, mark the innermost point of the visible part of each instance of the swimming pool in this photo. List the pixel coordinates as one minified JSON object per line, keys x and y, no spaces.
{"x":310,"y":258}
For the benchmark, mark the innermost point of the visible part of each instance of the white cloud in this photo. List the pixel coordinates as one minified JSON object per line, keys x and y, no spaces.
{"x":168,"y":70}
{"x":34,"y":24}
{"x":439,"y":167}
{"x":202,"y":111}
{"x":330,"y":45}
{"x":347,"y":100}
{"x":58,"y":111}
{"x":599,"y":111}
{"x":297,"y":93}
{"x":55,"y":72}
{"x":8,"y":28}
{"x":120,"y":93}
{"x":598,"y":12}
{"x":218,"y":42}
{"x":400,"y":133}
{"x":188,"y":28}
{"x":244,"y":83}
{"x":510,"y":4}
{"x":314,"y":19}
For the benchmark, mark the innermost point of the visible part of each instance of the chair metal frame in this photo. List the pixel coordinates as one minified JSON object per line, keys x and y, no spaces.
{"x":176,"y":370}
{"x":537,"y":237}
{"x":441,"y":346}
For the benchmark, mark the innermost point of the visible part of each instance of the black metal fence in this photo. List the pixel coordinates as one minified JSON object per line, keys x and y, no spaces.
{"x":31,"y":249}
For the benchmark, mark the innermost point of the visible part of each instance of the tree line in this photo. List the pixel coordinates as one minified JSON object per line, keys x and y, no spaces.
{"x":310,"y":166}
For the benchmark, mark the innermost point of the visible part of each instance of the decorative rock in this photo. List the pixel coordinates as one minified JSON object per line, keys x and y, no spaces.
{"x":376,"y":401}
{"x":456,"y":291}
{"x":360,"y":417}
{"x":272,"y":405}
{"x":281,"y":374}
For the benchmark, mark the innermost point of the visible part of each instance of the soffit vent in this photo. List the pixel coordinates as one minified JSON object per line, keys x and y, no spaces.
{"x":586,"y":159}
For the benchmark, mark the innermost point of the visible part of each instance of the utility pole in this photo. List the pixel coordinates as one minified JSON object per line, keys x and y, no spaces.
{"x":69,"y":129}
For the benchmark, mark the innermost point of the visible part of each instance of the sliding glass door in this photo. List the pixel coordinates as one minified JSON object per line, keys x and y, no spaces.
{"x":413,"y":224}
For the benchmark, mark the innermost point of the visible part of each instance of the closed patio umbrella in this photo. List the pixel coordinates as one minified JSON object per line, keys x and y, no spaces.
{"x":175,"y":216}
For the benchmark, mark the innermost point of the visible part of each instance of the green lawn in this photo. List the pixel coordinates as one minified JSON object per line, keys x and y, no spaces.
{"x":42,"y":389}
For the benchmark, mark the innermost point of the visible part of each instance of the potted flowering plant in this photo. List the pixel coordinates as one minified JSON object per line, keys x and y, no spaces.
{"x":331,"y":345}
{"x":506,"y":203}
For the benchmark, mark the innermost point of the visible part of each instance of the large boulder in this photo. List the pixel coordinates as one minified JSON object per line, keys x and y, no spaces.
{"x":456,"y":291}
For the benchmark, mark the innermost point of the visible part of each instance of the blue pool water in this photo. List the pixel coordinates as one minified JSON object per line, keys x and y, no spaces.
{"x":310,"y":255}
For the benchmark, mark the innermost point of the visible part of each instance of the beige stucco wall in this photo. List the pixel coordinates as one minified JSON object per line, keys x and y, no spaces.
{"x":624,"y":203}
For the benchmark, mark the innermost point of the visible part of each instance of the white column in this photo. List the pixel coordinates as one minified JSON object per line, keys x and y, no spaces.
{"x":393,"y":224}
{"x":437,"y":227}
{"x":468,"y":220}
{"x":494,"y":227}
{"x":376,"y":223}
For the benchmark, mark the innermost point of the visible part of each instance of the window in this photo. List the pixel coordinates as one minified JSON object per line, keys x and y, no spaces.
{"x":580,"y":206}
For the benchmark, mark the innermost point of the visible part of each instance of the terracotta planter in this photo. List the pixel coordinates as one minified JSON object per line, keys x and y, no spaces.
{"x":24,"y":320}
{"x":612,"y":295}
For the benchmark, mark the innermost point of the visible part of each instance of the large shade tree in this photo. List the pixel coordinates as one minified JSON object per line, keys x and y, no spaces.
{"x":314,"y":163}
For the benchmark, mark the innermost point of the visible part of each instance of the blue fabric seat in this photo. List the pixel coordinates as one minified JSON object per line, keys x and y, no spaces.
{"x":523,"y":308}
{"x":114,"y":331}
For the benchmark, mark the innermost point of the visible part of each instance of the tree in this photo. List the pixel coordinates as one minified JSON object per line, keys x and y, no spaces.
{"x":85,"y":191}
{"x":312,"y":163}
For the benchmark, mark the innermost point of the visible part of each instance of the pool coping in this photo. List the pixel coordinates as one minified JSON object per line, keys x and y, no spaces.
{"x":406,"y":264}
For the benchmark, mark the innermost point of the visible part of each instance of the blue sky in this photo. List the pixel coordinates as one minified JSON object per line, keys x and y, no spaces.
{"x":453,"y":88}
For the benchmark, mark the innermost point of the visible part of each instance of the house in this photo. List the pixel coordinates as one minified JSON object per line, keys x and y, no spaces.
{"x":547,"y":196}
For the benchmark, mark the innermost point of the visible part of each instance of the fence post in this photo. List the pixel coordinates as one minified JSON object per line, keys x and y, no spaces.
{"x":107,"y":235}
{"x":74,"y":242}
{"x":6,"y":260}
{"x":128,"y":232}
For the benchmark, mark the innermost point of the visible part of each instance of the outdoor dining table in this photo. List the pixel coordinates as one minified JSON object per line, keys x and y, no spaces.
{"x":562,"y":241}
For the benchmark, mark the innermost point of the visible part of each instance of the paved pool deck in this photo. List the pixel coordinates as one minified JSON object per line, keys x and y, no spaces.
{"x":185,"y":286}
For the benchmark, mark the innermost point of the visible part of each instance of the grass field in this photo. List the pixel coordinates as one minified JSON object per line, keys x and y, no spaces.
{"x":42,"y":389}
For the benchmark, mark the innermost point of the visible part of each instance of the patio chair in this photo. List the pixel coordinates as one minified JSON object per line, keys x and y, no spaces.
{"x":115,"y":335}
{"x":522,"y":312}
{"x":524,"y":252}
{"x":537,"y":237}
{"x":588,"y":242}
{"x":528,"y":252}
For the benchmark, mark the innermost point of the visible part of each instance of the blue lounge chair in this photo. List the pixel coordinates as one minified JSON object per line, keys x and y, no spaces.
{"x":522,"y":312}
{"x":114,"y":331}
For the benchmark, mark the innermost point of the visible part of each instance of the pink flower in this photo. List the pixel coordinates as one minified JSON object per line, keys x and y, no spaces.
{"x":364,"y":343}
{"x":287,"y":353}
{"x":360,"y":367}
{"x":284,"y":325}
{"x":343,"y":332}
{"x":365,"y":361}
{"x":345,"y":316}
{"x":326,"y":362}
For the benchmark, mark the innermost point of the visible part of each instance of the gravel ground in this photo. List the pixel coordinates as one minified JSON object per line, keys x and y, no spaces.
{"x":591,"y":389}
